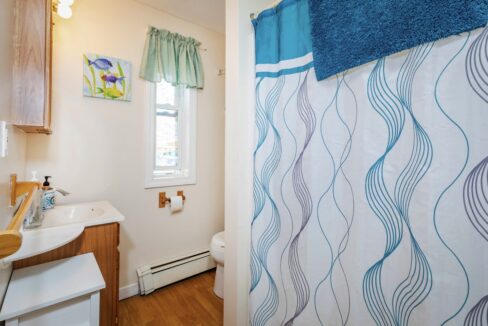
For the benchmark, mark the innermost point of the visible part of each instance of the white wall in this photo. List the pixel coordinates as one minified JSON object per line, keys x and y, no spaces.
{"x":97,"y":148}
{"x":238,"y":156}
{"x":15,"y":161}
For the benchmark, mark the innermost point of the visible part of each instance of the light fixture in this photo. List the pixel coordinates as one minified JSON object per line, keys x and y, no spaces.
{"x":63,"y":8}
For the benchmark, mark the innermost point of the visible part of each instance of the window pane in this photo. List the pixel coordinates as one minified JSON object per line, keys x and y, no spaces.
{"x":165,"y":93}
{"x":167,"y":154}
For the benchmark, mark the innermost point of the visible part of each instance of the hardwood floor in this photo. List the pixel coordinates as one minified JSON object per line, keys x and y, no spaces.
{"x":189,"y":302}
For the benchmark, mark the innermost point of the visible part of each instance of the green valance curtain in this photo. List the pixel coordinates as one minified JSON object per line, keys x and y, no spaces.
{"x":172,"y":57}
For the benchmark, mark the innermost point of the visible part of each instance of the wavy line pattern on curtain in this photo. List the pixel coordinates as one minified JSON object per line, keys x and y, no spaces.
{"x":283,"y":190}
{"x":338,"y":171}
{"x":302,"y":193}
{"x":414,"y":289}
{"x":387,"y":104}
{"x":272,"y":230}
{"x":360,"y":216}
{"x":454,"y":180}
{"x":476,"y":205}
{"x":475,"y":192}
{"x":477,"y":67}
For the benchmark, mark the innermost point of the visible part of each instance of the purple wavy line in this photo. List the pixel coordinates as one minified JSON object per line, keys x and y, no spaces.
{"x":475,"y":192}
{"x":477,"y":65}
{"x":298,"y":278}
{"x":476,"y":198}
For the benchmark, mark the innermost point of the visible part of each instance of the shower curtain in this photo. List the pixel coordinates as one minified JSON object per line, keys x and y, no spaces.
{"x":370,"y":187}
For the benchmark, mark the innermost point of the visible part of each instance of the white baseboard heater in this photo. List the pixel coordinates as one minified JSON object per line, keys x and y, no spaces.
{"x":159,"y":275}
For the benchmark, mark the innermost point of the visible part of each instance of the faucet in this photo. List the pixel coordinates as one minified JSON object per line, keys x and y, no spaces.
{"x":62,"y":192}
{"x":35,"y":216}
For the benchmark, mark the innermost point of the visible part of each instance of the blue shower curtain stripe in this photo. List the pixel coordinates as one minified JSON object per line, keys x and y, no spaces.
{"x":283,"y":35}
{"x":371,"y":187}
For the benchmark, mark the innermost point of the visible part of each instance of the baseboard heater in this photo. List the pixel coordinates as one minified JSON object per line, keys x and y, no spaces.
{"x":159,"y":275}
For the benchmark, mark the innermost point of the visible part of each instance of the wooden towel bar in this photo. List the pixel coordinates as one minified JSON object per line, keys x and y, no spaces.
{"x":11,"y":238}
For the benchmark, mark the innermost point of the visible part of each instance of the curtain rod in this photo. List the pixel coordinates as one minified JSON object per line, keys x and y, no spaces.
{"x":200,"y":47}
{"x":271,"y":5}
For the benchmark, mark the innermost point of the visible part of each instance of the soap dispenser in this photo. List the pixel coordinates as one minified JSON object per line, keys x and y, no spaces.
{"x":48,"y":195}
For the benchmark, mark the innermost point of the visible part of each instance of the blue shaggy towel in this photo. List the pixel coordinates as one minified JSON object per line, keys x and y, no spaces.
{"x":349,"y":33}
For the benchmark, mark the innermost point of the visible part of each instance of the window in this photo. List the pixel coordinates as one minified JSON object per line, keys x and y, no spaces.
{"x":170,"y":136}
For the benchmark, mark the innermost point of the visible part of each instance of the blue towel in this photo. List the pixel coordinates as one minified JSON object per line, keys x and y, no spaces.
{"x":349,"y":33}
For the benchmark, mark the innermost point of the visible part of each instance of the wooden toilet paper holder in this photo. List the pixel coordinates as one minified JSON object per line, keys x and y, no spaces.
{"x":163,"y":199}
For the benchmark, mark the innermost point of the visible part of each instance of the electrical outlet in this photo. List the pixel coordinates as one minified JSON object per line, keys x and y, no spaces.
{"x":3,"y":139}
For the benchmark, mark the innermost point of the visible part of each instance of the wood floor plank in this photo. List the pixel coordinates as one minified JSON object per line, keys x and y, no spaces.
{"x":189,"y":302}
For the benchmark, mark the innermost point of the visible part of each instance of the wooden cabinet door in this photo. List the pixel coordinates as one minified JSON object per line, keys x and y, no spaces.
{"x":102,"y":241}
{"x":31,"y":91}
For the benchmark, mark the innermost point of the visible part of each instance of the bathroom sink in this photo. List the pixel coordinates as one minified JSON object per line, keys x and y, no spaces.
{"x":88,"y":214}
{"x":71,"y":214}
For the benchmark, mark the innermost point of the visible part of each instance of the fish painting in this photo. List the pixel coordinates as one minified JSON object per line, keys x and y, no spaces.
{"x":106,"y":77}
{"x":112,"y":78}
{"x":112,"y":93}
{"x":101,"y":64}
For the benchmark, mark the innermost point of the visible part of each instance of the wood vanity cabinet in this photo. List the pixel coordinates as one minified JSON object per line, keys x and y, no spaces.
{"x":31,"y":72}
{"x":102,"y":241}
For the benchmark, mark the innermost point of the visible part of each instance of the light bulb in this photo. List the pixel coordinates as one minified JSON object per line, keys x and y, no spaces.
{"x":67,"y":3}
{"x":64,"y":11}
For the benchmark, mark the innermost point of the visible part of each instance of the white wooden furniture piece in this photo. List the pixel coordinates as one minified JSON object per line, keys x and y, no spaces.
{"x":62,"y":292}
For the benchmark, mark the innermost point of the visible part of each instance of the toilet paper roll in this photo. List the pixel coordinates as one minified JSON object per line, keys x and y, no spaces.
{"x":176,"y":204}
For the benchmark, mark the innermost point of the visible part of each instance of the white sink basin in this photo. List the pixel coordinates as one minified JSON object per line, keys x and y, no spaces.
{"x":87,"y":214}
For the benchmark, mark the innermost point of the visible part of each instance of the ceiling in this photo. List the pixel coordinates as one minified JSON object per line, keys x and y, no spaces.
{"x":207,"y":13}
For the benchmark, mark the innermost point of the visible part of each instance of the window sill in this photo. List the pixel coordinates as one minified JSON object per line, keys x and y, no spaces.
{"x":170,"y":181}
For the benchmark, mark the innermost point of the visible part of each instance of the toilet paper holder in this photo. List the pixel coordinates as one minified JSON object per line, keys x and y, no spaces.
{"x":163,"y":199}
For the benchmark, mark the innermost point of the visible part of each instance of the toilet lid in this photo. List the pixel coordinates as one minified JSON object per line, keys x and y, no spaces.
{"x":219,"y":239}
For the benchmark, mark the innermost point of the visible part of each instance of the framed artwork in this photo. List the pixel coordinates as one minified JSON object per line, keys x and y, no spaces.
{"x":107,"y":77}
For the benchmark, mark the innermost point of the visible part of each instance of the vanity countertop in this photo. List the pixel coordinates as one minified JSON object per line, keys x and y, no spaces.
{"x":63,"y":224}
{"x":36,"y":242}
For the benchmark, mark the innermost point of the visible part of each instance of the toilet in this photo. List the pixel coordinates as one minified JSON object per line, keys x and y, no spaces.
{"x":217,"y":248}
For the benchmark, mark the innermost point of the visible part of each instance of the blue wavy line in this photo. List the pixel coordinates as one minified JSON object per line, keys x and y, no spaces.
{"x":388,"y":106}
{"x":345,"y":239}
{"x":298,"y":278}
{"x":268,"y":237}
{"x":336,"y":170}
{"x":258,"y":192}
{"x":414,"y":289}
{"x":453,"y":181}
{"x":329,"y":186}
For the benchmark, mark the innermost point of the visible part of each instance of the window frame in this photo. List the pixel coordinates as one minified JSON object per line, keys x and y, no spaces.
{"x":187,"y":120}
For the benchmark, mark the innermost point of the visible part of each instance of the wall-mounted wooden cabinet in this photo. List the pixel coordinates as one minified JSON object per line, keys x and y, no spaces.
{"x":31,"y":97}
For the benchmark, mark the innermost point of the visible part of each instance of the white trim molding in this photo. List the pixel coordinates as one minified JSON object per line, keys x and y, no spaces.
{"x":239,"y":147}
{"x":128,"y":291}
